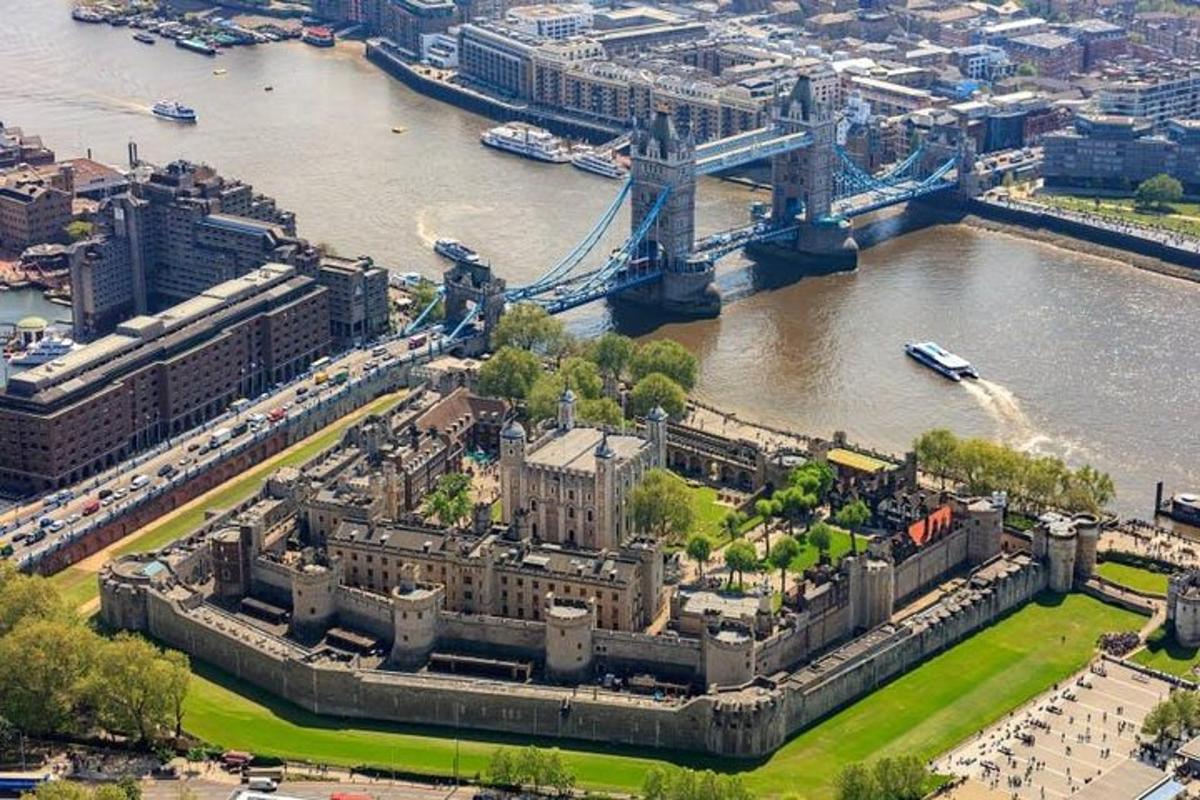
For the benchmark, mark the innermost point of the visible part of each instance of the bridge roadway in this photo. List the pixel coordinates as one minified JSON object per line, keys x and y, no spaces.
{"x":20,"y":525}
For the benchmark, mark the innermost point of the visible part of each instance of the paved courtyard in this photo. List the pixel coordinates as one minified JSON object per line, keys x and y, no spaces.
{"x":1064,"y":740}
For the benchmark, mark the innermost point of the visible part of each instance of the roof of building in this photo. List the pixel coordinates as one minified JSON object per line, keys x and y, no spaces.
{"x":575,"y":449}
{"x":1130,"y":780}
{"x":1044,"y":41}
{"x":859,"y":461}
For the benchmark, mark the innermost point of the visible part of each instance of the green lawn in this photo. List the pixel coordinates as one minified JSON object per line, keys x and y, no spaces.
{"x":926,"y":712}
{"x":78,"y":586}
{"x":1163,"y":653}
{"x":1136,"y":578}
{"x":709,"y":513}
{"x":839,"y":545}
{"x":1182,"y":218}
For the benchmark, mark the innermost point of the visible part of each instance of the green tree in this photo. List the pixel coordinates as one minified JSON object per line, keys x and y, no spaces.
{"x":134,"y":688}
{"x":612,"y":353}
{"x":600,"y":411}
{"x":662,"y":505}
{"x":541,"y":402}
{"x":796,"y":503}
{"x":130,"y":787}
{"x":24,"y":597}
{"x":555,"y":774}
{"x":1158,"y":193}
{"x":852,"y":517}
{"x":583,"y":377}
{"x":935,"y":452}
{"x":43,"y":683}
{"x":1089,"y":490}
{"x":510,"y":373}
{"x":699,"y":549}
{"x":901,"y":777}
{"x":856,"y":782}
{"x":78,"y":230}
{"x":786,"y":551}
{"x":668,"y":782}
{"x":1027,"y":69}
{"x":424,"y":293}
{"x":450,"y":502}
{"x":665,"y":357}
{"x":528,"y":326}
{"x":657,"y":389}
{"x":732,"y":524}
{"x":740,"y":558}
{"x":820,"y":536}
{"x":502,"y":768}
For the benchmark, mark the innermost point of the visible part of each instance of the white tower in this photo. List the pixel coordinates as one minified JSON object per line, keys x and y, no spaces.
{"x":512,"y":471}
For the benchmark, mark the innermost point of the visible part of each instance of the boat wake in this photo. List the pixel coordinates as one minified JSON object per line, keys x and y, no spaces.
{"x":1016,"y":427}
{"x":426,"y":234}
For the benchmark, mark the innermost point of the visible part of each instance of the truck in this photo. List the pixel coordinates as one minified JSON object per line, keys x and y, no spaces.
{"x":320,"y":378}
{"x":91,"y":506}
{"x":240,"y":428}
{"x":277,"y":414}
{"x":341,"y":377}
{"x":219,"y":437}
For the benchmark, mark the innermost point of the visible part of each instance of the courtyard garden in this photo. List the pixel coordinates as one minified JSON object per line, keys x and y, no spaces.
{"x":926,"y":712}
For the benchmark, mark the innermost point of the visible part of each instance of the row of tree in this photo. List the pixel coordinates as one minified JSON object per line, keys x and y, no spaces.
{"x":61,"y":677}
{"x":532,"y":767}
{"x":891,"y":778}
{"x":1175,"y":718}
{"x":1035,"y":482}
{"x":661,"y":372}
{"x":679,"y":783}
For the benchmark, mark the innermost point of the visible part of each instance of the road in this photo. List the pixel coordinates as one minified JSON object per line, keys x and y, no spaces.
{"x":36,"y":527}
{"x":204,"y":789}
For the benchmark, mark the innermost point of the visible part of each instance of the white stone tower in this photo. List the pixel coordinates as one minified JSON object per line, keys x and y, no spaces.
{"x":607,"y":513}
{"x":512,"y":470}
{"x":569,"y":640}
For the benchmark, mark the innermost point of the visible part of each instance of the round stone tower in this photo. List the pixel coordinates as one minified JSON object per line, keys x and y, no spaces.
{"x":1087,"y":531}
{"x":1183,"y":607}
{"x":569,"y":640}
{"x":985,"y":530}
{"x":415,"y":608}
{"x":728,"y":652}
{"x":512,"y":469}
{"x":313,"y":604}
{"x":1061,"y":544}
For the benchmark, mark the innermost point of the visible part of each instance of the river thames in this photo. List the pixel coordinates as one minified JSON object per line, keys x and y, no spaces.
{"x":1082,"y":357}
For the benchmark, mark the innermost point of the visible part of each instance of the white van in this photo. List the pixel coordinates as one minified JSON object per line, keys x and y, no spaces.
{"x":262,"y":785}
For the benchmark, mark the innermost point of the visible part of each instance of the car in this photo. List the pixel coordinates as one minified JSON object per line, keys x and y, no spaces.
{"x":108,"y":501}
{"x":183,"y":462}
{"x":193,"y":447}
{"x":303,"y":390}
{"x":104,"y":493}
{"x":138,"y":482}
{"x":56,"y":526}
{"x":73,"y":518}
{"x":119,"y":493}
{"x":20,"y":537}
{"x":165,"y":470}
{"x":45,"y":522}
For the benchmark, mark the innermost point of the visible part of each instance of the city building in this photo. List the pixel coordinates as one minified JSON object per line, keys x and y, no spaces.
{"x":406,"y":22}
{"x":32,"y":211}
{"x":358,"y":299}
{"x":983,"y":62}
{"x":557,"y":21}
{"x":158,"y":375}
{"x":1102,"y":41}
{"x":1051,"y":55}
{"x":16,"y":147}
{"x":1110,"y":152}
{"x":1157,"y":93}
{"x":497,"y":58}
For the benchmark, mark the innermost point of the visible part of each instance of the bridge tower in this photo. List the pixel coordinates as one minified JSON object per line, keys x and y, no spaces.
{"x":802,"y":179}
{"x":469,"y":284}
{"x":665,"y":161}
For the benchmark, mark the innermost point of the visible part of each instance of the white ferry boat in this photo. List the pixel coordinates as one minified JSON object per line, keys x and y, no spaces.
{"x":604,"y":164}
{"x":455,"y":250}
{"x":527,"y":140}
{"x":85,"y":14}
{"x":169,"y":109}
{"x":43,"y":351}
{"x":941,"y":360}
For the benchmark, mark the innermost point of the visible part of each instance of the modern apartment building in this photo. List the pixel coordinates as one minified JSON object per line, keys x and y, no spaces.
{"x":358,"y":299}
{"x":1157,"y":93}
{"x":159,"y":375}
{"x":1108,"y":152}
{"x":559,"y":21}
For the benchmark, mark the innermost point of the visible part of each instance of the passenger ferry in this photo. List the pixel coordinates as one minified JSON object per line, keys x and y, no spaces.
{"x":43,"y":351}
{"x":941,"y":360}
{"x":527,"y":140}
{"x":169,"y":109}
{"x":197,"y":46}
{"x":318,"y":37}
{"x":455,"y":250}
{"x":604,"y":164}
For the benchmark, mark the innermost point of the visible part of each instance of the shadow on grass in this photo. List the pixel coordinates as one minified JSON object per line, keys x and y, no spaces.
{"x":1163,"y":643}
{"x":295,"y":715}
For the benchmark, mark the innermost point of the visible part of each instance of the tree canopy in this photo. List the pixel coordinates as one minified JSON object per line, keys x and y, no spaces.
{"x":662,"y":505}
{"x":699,"y":549}
{"x":657,"y":389}
{"x":510,"y":373}
{"x":1158,"y":192}
{"x":891,"y":778}
{"x":612,"y":353}
{"x":450,"y":502}
{"x":668,"y":782}
{"x":740,"y":558}
{"x":528,"y":326}
{"x":530,"y":766}
{"x":667,"y":357}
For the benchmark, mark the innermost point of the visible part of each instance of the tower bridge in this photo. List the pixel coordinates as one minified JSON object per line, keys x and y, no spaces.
{"x":817,"y":191}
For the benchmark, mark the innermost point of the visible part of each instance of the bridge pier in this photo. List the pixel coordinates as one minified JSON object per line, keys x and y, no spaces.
{"x":824,"y":246}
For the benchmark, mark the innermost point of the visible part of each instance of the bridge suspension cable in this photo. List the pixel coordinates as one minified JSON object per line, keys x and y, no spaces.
{"x":415,"y":325}
{"x":621,"y":258}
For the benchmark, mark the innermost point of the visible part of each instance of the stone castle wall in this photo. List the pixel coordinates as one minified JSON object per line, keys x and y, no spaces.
{"x":930,"y":564}
{"x":364,"y":611}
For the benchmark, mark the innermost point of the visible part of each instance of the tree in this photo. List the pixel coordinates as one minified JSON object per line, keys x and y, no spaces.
{"x":134,"y":688}
{"x":669,"y":782}
{"x":510,"y":373}
{"x":612,"y":353}
{"x":657,"y":389}
{"x":502,"y":768}
{"x":1088,"y":490}
{"x":46,"y":667}
{"x":600,"y":411}
{"x":423,"y":294}
{"x":856,"y":782}
{"x":450,"y":502}
{"x":820,"y":536}
{"x":78,"y":230}
{"x":1027,"y":70}
{"x":174,"y":675}
{"x":901,"y":777}
{"x":24,"y":597}
{"x":555,"y":774}
{"x":583,"y":377}
{"x":935,"y":451}
{"x":699,"y":549}
{"x":1158,"y":193}
{"x":662,"y":505}
{"x":732,"y":524}
{"x":541,"y":402}
{"x":852,"y":517}
{"x":796,"y":503}
{"x":528,"y":326}
{"x":667,"y":357}
{"x":740,"y":558}
{"x":781,"y":558}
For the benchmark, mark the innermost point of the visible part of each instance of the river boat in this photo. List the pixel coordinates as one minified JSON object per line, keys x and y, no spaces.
{"x":318,"y":36}
{"x":455,"y":250}
{"x":196,"y":46}
{"x":144,"y":38}
{"x":598,"y":163}
{"x":941,"y":361}
{"x":170,"y":109}
{"x":43,"y":351}
{"x":527,"y":140}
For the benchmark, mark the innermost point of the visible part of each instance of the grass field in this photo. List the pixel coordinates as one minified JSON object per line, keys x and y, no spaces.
{"x":1182,"y":218}
{"x":1140,"y":580}
{"x":924,"y":712}
{"x":839,"y":545}
{"x":709,"y":513}
{"x":78,"y":586}
{"x":1163,"y":653}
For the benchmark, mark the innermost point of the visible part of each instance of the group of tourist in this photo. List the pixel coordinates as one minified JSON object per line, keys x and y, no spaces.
{"x":1155,"y":233}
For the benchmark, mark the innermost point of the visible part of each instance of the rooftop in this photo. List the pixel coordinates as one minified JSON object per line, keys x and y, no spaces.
{"x":575,"y":449}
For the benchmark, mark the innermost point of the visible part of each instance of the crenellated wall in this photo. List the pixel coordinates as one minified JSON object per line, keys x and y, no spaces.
{"x":930,"y":564}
